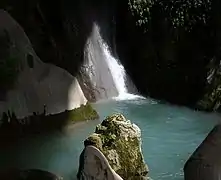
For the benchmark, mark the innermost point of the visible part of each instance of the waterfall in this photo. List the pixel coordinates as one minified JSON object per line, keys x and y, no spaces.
{"x":106,"y":74}
{"x":118,"y":73}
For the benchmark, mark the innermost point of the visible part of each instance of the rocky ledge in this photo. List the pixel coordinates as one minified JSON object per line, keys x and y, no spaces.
{"x":43,"y":122}
{"x":120,"y":142}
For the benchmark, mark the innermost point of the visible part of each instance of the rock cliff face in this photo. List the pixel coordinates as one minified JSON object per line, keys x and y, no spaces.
{"x":211,"y":100}
{"x":166,"y":46}
{"x":36,"y":83}
{"x":64,"y":36}
{"x":120,"y":141}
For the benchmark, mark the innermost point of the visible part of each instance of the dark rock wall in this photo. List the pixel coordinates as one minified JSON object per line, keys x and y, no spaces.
{"x":169,"y":60}
{"x":167,"y":50}
{"x":59,"y":30}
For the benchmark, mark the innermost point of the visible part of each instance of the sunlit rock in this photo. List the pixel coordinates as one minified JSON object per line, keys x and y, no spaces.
{"x":37,"y":83}
{"x":120,"y":142}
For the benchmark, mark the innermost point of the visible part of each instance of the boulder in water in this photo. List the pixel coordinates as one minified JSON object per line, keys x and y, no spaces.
{"x":120,"y":142}
{"x":205,"y":162}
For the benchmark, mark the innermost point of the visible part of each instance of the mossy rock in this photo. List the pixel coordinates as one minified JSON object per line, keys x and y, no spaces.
{"x":94,"y":140}
{"x":42,"y":122}
{"x":84,"y":112}
{"x":120,"y":141}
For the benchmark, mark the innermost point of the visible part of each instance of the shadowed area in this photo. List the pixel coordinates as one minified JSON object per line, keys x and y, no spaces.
{"x":42,"y":87}
{"x":32,"y":174}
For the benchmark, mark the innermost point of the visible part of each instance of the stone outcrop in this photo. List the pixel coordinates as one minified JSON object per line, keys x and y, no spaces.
{"x":166,"y":46}
{"x":120,"y":142}
{"x":31,"y":174}
{"x":211,"y":101}
{"x":205,"y":162}
{"x":96,"y":166}
{"x":37,"y":83}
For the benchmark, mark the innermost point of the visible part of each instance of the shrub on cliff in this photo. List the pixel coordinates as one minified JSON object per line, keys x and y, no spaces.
{"x":171,"y":43}
{"x":85,"y":112}
{"x":180,"y":13}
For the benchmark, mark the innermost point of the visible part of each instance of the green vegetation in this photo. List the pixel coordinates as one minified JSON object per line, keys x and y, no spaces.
{"x":123,"y":153}
{"x":95,"y":140}
{"x":85,"y":112}
{"x":42,"y":122}
{"x":179,"y":13}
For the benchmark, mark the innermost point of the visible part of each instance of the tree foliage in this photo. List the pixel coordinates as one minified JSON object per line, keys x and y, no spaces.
{"x":180,"y":13}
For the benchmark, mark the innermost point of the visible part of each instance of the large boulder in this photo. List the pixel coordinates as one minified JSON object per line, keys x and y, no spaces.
{"x":95,"y":166}
{"x":32,"y":83}
{"x":205,"y":162}
{"x":65,"y":36}
{"x":120,"y":141}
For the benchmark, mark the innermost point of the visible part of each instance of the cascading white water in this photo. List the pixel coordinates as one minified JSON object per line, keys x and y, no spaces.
{"x":117,"y":71}
{"x":105,"y":73}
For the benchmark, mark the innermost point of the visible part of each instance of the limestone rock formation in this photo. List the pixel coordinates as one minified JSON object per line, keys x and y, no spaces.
{"x":96,"y":166}
{"x":120,"y":141}
{"x":36,"y":83}
{"x":205,"y":162}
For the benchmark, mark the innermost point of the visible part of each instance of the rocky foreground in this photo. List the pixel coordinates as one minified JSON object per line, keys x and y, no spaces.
{"x":119,"y":141}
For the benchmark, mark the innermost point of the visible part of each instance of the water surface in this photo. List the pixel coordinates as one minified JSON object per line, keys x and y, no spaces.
{"x":169,"y":134}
